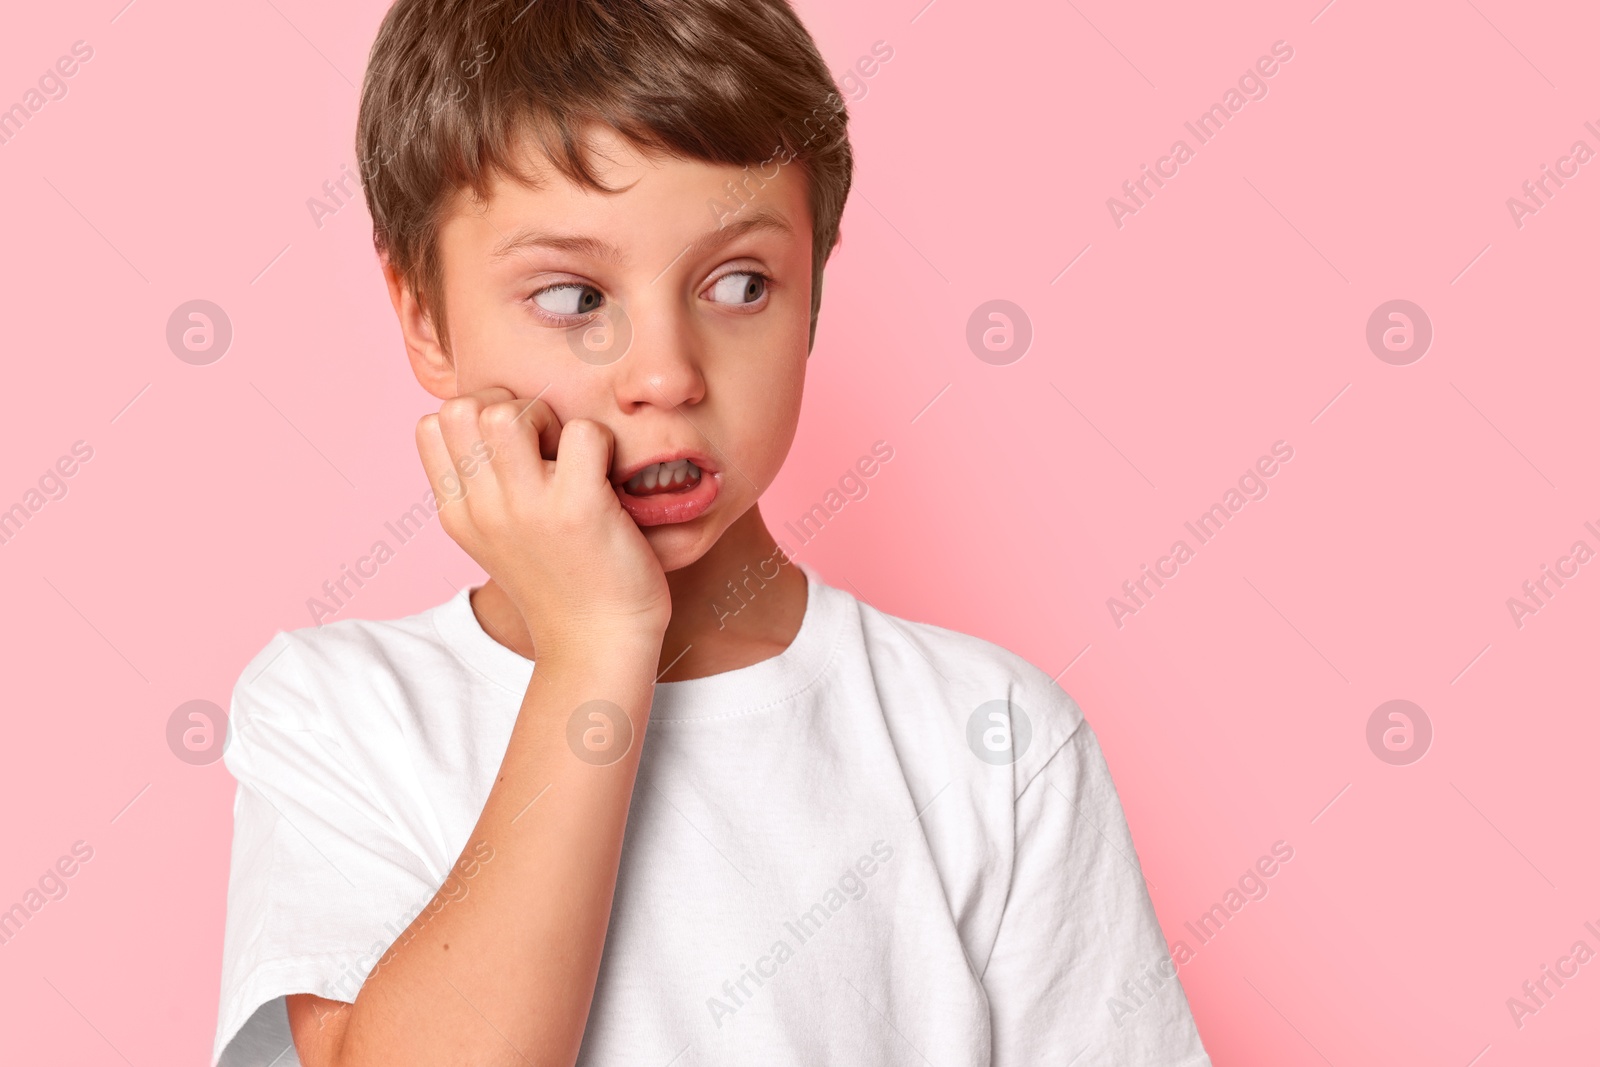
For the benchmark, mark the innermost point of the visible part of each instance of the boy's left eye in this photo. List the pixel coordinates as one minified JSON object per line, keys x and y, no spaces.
{"x":568,"y":299}
{"x":739,"y":287}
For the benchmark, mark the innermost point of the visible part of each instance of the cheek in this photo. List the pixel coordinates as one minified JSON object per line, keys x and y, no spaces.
{"x":495,"y":341}
{"x":477,"y":343}
{"x":768,"y":412}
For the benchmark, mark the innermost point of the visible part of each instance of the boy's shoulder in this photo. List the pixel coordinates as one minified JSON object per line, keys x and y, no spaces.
{"x":1007,"y":709}
{"x":300,"y":669}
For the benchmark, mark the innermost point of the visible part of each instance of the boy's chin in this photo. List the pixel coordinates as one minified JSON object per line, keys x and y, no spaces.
{"x":677,"y":545}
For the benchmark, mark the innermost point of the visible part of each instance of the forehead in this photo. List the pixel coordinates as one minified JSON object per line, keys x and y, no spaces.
{"x":655,"y":198}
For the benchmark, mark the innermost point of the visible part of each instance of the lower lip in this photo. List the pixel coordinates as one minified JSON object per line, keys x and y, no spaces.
{"x":661,"y":509}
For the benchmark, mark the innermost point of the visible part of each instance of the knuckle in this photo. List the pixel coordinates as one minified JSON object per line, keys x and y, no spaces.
{"x":450,"y":520}
{"x":459,"y":410}
{"x":498,"y":419}
{"x":451,"y":488}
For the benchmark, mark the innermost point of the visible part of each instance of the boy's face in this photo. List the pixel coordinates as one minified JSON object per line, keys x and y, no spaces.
{"x":674,"y":348}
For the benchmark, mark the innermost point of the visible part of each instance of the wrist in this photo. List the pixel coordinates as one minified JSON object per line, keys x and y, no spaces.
{"x":611,"y":645}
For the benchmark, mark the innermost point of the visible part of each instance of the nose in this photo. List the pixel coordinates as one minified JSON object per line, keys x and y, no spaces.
{"x":662,"y":366}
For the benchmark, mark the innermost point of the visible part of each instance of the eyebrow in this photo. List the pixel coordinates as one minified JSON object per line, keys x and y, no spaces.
{"x":758,"y":220}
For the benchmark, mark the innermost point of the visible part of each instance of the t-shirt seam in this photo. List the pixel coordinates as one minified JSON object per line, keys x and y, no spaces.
{"x":1011,"y":879}
{"x":1039,"y":770}
{"x":963,"y":635}
{"x":315,"y":724}
{"x":280,"y":962}
{"x":318,"y":721}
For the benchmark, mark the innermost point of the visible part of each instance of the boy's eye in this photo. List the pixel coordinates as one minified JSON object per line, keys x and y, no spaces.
{"x":568,"y":299}
{"x":739,"y":287}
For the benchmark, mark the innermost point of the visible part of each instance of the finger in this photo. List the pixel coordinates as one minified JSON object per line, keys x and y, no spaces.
{"x":436,"y":461}
{"x":460,"y":423}
{"x":458,"y":416}
{"x":584,"y":454}
{"x":513,"y":446}
{"x":543,"y":419}
{"x":491,"y":394}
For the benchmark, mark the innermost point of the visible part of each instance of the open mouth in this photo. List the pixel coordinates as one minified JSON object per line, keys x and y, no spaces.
{"x":670,"y":491}
{"x":679,"y":476}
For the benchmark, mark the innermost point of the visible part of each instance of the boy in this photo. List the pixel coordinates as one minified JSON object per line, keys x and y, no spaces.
{"x":802,"y":831}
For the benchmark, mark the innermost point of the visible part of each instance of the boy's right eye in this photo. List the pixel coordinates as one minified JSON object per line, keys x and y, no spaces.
{"x":568,"y":298}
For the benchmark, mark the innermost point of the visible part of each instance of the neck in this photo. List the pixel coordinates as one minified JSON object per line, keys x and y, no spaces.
{"x":714,"y":628}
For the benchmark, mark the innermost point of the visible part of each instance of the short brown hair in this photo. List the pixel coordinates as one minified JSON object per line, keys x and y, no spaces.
{"x":452,"y":85}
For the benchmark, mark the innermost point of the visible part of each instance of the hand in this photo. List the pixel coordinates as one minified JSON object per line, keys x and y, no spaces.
{"x":537,"y":511}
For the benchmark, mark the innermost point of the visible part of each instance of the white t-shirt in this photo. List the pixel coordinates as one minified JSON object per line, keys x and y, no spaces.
{"x":890,"y":844}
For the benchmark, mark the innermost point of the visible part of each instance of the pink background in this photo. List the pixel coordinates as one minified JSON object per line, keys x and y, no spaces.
{"x":1224,"y":316}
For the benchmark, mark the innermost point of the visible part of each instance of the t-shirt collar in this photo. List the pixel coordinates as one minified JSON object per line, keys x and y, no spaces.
{"x":741,"y":691}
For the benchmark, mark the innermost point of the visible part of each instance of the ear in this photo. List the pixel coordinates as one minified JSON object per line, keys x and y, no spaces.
{"x":429,"y":362}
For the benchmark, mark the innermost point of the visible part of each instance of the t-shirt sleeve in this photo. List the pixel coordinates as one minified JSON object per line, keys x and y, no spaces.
{"x":1078,"y":924}
{"x":320,"y":883}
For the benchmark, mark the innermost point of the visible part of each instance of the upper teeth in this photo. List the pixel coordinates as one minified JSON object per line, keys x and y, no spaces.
{"x":657,"y":474}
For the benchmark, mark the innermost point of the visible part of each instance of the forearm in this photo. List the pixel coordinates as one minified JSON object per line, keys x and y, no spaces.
{"x":505,"y":972}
